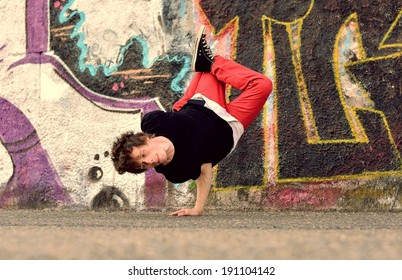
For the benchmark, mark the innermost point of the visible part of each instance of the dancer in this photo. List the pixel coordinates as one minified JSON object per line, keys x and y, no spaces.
{"x":202,"y":129}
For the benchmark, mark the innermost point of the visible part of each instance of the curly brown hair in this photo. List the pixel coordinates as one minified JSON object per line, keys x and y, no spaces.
{"x":122,"y":149}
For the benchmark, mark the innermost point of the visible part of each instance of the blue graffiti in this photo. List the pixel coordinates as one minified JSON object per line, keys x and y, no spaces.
{"x":182,"y":8}
{"x":108,"y":70}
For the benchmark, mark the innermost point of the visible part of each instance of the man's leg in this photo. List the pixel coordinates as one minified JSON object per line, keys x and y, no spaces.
{"x":203,"y":82}
{"x":190,"y":91}
{"x":255,"y":86}
{"x":216,"y":72}
{"x":207,"y":85}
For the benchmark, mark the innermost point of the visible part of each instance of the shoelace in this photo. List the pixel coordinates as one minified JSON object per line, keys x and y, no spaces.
{"x":206,"y":48}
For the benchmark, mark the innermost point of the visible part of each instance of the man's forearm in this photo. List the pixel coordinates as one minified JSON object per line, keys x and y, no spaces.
{"x":203,"y":186}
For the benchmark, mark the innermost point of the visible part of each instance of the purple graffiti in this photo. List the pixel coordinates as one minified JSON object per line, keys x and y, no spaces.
{"x":1,"y":48}
{"x":37,"y":26}
{"x":37,"y":46}
{"x":154,"y":189}
{"x":34,"y":180}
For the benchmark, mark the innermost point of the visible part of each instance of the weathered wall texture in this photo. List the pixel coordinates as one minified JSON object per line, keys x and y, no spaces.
{"x":77,"y":73}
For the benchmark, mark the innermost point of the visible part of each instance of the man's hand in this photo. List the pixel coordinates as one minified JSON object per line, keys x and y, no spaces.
{"x":203,"y":187}
{"x":186,"y":212}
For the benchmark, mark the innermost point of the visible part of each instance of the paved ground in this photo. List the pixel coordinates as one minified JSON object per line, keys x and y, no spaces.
{"x":67,"y":234}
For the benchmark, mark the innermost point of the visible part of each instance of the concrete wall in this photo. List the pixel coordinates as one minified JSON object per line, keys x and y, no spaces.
{"x":76,"y":73}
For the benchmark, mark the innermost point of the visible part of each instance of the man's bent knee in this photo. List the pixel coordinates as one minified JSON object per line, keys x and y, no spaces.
{"x":263,"y":85}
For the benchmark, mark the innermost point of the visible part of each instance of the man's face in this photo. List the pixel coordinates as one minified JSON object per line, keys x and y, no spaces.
{"x":149,"y":155}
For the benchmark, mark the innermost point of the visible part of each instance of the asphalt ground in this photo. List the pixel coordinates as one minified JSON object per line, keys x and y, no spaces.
{"x":218,"y":235}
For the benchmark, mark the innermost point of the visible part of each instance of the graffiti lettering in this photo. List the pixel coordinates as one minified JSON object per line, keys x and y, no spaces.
{"x":309,"y":98}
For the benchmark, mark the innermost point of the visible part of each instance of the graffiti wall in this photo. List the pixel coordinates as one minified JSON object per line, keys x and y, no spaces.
{"x":75,"y":74}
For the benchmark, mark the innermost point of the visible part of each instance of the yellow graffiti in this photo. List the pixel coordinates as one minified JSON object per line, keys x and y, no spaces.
{"x":294,"y":31}
{"x":391,"y":29}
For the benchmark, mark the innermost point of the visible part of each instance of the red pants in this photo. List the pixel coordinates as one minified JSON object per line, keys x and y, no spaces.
{"x":245,"y":108}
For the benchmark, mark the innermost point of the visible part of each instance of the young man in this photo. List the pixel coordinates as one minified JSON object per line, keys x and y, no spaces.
{"x":202,"y":129}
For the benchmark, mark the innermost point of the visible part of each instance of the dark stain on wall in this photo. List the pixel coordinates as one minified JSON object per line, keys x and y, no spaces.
{"x":110,"y":198}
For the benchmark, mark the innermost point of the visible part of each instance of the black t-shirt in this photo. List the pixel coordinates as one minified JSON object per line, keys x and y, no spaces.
{"x":198,"y":134}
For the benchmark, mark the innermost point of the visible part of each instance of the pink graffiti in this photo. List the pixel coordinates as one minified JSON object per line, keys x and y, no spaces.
{"x":310,"y":197}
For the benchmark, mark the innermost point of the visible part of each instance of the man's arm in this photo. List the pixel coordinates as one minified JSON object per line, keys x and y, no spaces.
{"x":203,"y":187}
